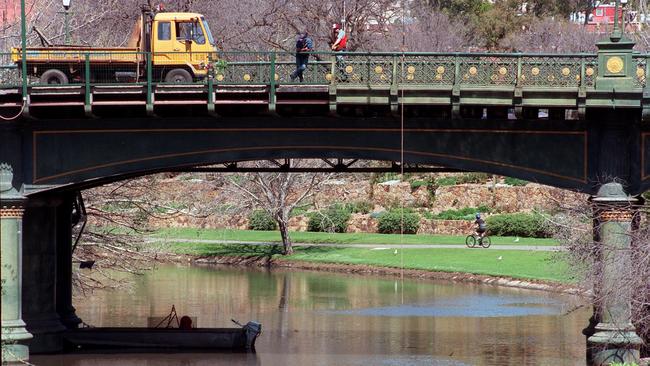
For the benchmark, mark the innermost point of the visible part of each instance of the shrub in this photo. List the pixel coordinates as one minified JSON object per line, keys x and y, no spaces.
{"x":515,"y":182}
{"x":261,"y":220}
{"x":466,"y":213}
{"x":419,"y":183}
{"x":332,"y":220}
{"x":362,"y":207}
{"x":385,"y":177}
{"x":518,"y":224}
{"x":447,"y":181}
{"x":393,"y":221}
{"x":463,"y":179}
{"x":300,"y":210}
{"x":474,"y":178}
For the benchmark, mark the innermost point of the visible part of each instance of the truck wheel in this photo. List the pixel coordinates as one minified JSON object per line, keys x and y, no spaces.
{"x":54,"y":76}
{"x":178,"y":76}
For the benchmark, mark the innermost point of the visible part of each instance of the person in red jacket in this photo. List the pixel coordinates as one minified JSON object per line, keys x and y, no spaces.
{"x":339,"y":41}
{"x":339,"y":38}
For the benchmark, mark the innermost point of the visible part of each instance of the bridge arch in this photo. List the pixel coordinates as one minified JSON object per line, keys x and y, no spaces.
{"x":73,"y":153}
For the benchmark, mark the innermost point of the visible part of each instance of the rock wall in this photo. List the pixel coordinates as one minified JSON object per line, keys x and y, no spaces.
{"x":358,"y":223}
{"x":503,"y":198}
{"x":446,"y":227}
{"x":500,"y":198}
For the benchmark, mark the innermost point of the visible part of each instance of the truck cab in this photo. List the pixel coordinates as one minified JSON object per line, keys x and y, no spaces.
{"x":181,"y":47}
{"x":181,"y":39}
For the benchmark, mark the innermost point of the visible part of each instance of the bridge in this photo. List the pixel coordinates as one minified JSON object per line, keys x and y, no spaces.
{"x":573,"y":121}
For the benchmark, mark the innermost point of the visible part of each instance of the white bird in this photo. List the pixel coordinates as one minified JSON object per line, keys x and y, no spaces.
{"x":395,"y":252}
{"x":516,"y":239}
{"x":500,"y":257}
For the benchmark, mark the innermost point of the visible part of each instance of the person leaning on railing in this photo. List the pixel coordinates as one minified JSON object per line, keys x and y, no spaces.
{"x":304,"y":45}
{"x":339,"y":42}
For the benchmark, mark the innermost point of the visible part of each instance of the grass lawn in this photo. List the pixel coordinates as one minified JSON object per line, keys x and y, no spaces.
{"x":334,"y":238}
{"x":546,"y":266}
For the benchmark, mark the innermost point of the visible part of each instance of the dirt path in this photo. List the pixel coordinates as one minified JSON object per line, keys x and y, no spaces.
{"x":538,"y":248}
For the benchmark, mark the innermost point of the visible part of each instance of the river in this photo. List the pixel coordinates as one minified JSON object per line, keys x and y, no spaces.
{"x":320,"y":318}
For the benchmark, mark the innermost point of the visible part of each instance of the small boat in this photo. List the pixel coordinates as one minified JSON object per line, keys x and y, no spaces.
{"x":242,"y":339}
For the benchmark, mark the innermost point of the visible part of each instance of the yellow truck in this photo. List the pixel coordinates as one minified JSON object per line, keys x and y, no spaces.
{"x":180,"y":45}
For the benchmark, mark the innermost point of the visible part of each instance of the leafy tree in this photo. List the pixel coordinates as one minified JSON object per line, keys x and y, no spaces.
{"x":501,"y":20}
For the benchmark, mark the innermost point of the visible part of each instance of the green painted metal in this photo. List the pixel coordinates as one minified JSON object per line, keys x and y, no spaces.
{"x":14,"y":334}
{"x":211,"y":108}
{"x":615,"y":338}
{"x":88,"y":94}
{"x":23,"y":50}
{"x":66,"y":26}
{"x":272,"y":77}
{"x":149,"y":83}
{"x":492,"y":79}
{"x":616,"y":69}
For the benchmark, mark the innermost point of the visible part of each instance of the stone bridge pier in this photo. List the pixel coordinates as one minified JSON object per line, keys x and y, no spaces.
{"x":611,"y":336}
{"x":36,"y":271}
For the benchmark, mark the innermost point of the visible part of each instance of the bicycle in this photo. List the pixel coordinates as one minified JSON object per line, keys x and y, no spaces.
{"x":472,"y":240}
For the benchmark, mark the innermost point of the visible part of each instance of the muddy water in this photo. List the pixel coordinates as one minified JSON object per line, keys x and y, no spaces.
{"x":313,"y":318}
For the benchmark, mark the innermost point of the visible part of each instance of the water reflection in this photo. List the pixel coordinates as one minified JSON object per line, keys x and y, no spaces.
{"x":314,"y":318}
{"x":468,"y":306}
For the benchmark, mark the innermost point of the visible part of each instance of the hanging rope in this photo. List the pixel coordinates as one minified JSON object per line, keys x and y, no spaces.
{"x":402,"y":59}
{"x":22,"y":109}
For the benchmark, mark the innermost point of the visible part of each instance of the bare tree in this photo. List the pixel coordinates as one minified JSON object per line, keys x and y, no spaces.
{"x":550,"y":35}
{"x":429,"y":32}
{"x":114,"y":239}
{"x":278,"y":193}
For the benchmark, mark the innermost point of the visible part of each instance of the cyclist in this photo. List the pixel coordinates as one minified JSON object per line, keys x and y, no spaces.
{"x":481,"y":227}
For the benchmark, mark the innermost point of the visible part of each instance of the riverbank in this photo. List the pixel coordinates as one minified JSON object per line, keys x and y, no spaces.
{"x":515,"y":268}
{"x":337,"y":238}
{"x":390,"y":271}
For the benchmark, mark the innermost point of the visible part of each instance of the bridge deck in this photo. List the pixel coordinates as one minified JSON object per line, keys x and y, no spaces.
{"x":370,"y":79}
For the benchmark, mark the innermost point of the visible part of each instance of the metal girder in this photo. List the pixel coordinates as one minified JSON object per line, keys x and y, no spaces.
{"x":339,"y":165}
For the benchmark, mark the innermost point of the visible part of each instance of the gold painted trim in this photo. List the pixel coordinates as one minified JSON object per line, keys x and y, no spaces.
{"x":615,"y":64}
{"x":616,"y":215}
{"x":11,"y":213}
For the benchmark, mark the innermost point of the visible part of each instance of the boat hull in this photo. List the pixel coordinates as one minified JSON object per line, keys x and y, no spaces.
{"x":165,"y":338}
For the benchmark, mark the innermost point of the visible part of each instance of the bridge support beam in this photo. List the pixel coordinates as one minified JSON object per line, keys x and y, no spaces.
{"x":40,"y":279}
{"x":614,"y":338}
{"x":64,"y":307}
{"x":14,"y":334}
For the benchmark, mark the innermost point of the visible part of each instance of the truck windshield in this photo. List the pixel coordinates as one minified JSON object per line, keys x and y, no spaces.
{"x":190,"y":30}
{"x":207,"y":31}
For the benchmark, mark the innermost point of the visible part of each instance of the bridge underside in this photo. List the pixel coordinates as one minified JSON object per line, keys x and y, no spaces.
{"x":577,"y":155}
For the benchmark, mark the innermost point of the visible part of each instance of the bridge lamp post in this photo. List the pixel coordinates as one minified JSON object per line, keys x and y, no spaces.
{"x":66,"y":21}
{"x":23,"y":50}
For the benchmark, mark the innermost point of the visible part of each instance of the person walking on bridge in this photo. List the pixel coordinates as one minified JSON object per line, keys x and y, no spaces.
{"x":304,"y":45}
{"x":339,"y":43}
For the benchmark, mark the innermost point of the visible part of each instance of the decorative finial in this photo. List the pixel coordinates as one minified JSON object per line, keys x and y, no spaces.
{"x":616,"y":34}
{"x":6,"y":177}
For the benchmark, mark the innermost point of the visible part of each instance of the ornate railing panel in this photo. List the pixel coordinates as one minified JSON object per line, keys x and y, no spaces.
{"x":363,"y":69}
{"x":488,"y":70}
{"x":640,"y":76}
{"x":550,"y":72}
{"x":422,"y":69}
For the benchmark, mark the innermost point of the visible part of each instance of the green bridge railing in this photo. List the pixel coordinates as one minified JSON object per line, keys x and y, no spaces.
{"x":404,"y":70}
